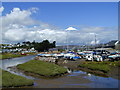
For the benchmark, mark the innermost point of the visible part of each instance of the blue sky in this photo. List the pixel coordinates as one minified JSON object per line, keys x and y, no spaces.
{"x":66,"y":14}
{"x":87,"y":17}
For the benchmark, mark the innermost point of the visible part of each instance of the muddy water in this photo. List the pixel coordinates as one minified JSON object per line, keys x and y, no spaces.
{"x":75,"y":78}
{"x":6,"y":63}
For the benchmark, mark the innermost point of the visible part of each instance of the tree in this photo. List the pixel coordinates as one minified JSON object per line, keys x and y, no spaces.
{"x":28,"y":42}
{"x":54,"y":44}
{"x":39,"y":46}
{"x":33,"y":42}
{"x":24,"y":43}
{"x":18,"y":43}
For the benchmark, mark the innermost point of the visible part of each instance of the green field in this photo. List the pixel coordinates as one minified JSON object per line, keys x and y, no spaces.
{"x":10,"y":55}
{"x":101,"y":66}
{"x":12,"y":80}
{"x":42,"y":68}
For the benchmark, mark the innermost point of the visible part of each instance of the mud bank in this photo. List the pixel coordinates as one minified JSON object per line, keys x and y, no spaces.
{"x":95,"y":72}
{"x":74,"y":65}
{"x":38,"y":75}
{"x":41,"y":69}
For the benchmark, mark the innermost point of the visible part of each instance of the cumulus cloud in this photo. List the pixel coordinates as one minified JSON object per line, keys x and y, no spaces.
{"x":19,"y":26}
{"x":93,"y":42}
{"x":71,"y":28}
{"x":17,"y":16}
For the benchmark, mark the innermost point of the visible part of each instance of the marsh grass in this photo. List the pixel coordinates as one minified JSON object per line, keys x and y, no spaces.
{"x":42,"y":68}
{"x":12,"y":80}
{"x":101,"y":66}
{"x":11,"y":55}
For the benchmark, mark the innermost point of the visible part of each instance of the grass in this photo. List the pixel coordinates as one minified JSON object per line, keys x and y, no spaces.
{"x":11,"y":55}
{"x":115,"y":63}
{"x":101,"y":66}
{"x":12,"y":80}
{"x":42,"y":68}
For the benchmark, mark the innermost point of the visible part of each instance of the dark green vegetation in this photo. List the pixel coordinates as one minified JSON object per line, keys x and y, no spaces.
{"x":44,"y":46}
{"x":13,"y":55}
{"x":100,"y":66}
{"x":12,"y":80}
{"x":42,"y":68}
{"x":39,"y":46}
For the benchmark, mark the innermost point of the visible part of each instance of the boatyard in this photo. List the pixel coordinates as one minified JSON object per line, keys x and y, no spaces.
{"x":59,"y":45}
{"x":100,"y":63}
{"x":73,"y":67}
{"x":58,"y":64}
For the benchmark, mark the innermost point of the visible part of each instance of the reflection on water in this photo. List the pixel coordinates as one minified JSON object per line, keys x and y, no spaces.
{"x":103,"y":82}
{"x":15,"y":61}
{"x":97,"y":81}
{"x":75,"y":78}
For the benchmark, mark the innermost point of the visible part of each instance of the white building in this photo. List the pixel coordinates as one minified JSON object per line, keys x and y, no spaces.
{"x":117,"y":45}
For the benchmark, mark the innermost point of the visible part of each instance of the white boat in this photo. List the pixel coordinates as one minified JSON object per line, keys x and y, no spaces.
{"x":114,"y":56}
{"x":98,"y":58}
{"x":89,"y":57}
{"x":69,"y":55}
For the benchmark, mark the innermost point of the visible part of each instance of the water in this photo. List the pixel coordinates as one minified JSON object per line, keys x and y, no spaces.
{"x":15,"y":61}
{"x":97,"y":81}
{"x":75,"y":78}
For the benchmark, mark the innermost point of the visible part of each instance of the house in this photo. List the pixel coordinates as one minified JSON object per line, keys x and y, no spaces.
{"x":53,"y":49}
{"x":117,"y":45}
{"x":111,"y":44}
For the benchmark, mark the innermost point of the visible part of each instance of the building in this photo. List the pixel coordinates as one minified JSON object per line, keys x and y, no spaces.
{"x":117,"y":45}
{"x":110,"y":44}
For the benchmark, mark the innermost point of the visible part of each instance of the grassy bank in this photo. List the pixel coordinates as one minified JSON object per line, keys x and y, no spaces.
{"x":11,"y":55}
{"x":100,"y":66}
{"x":42,"y":68}
{"x":12,"y":80}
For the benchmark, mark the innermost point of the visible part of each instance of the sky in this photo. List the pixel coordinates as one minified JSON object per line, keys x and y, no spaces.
{"x":49,"y":20}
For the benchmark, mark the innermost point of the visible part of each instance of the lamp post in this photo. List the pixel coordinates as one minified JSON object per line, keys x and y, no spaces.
{"x":69,"y":29}
{"x":95,"y":39}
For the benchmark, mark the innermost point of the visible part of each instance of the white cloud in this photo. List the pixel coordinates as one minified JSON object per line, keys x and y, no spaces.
{"x":17,"y":16}
{"x":19,"y":26}
{"x":93,"y":42}
{"x":71,"y":28}
{"x":34,"y":9}
{"x":15,"y":35}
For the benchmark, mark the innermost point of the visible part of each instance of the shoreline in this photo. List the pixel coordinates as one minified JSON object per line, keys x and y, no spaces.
{"x":17,"y":56}
{"x":94,"y":72}
{"x":47,"y":70}
{"x":75,"y":65}
{"x":8,"y":77}
{"x":14,"y":68}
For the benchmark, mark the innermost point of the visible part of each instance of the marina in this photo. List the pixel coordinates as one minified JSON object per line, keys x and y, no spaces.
{"x":59,"y":45}
{"x":75,"y":78}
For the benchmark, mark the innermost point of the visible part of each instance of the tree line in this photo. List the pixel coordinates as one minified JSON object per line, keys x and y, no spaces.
{"x":39,"y":46}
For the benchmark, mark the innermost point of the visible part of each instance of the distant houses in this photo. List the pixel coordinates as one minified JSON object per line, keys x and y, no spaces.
{"x":114,"y":44}
{"x":117,"y":45}
{"x":111,"y":44}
